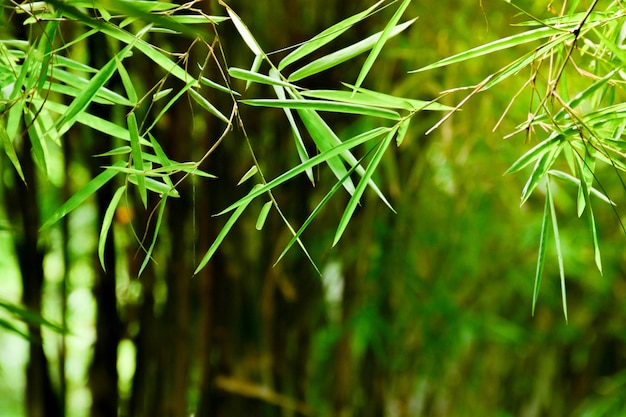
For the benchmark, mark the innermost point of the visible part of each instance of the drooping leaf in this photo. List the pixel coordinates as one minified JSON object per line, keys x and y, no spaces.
{"x":78,"y":198}
{"x":137,"y":154}
{"x":106,"y":223}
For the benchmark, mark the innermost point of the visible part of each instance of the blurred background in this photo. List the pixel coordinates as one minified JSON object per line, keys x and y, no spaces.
{"x":426,"y":312}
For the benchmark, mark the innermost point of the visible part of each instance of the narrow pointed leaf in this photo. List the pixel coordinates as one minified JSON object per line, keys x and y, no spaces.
{"x":498,"y":45}
{"x":541,"y":257}
{"x":343,"y":55}
{"x":106,"y":223}
{"x":222,"y":234}
{"x":544,"y":163}
{"x":78,"y":198}
{"x":325,"y":37}
{"x":135,"y":147}
{"x":265,"y":210}
{"x":378,"y":47}
{"x":300,"y":147}
{"x":249,"y":174}
{"x":356,"y":197}
{"x":324,"y":105}
{"x":559,"y":254}
{"x":243,"y":30}
{"x":322,"y":157}
{"x":155,"y":235}
{"x":246,"y":75}
{"x":206,"y":104}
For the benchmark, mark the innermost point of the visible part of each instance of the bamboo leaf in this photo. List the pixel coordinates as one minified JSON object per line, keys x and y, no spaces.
{"x":533,"y":154}
{"x":575,"y":181}
{"x":106,"y":223}
{"x":296,"y":236}
{"x":9,"y":150}
{"x":256,"y":64}
{"x":155,"y":234}
{"x":322,"y":157}
{"x":229,"y":224}
{"x":243,"y":30}
{"x":495,"y":46}
{"x":207,"y":105}
{"x":343,"y":55}
{"x":544,"y":163}
{"x":78,"y":198}
{"x":541,"y":257}
{"x":402,"y":129}
{"x":375,"y":99}
{"x":378,"y":46}
{"x":80,"y":103}
{"x":246,"y":75}
{"x":265,"y":210}
{"x":210,"y":83}
{"x":325,"y":37}
{"x":249,"y":174}
{"x":324,"y":105}
{"x":356,"y":197}
{"x":300,"y":147}
{"x":557,"y":242}
{"x":135,"y":147}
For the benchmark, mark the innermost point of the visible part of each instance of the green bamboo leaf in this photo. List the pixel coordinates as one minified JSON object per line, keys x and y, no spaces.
{"x":156,"y":55}
{"x":378,"y":46}
{"x":498,"y":45}
{"x":160,"y":94}
{"x":575,"y":181}
{"x":80,"y":103}
{"x":534,"y":154}
{"x":135,"y":147}
{"x":78,"y":198}
{"x":206,"y":104}
{"x":248,"y":76}
{"x":343,"y":55}
{"x":296,"y":236}
{"x":324,"y":105}
{"x":222,"y":234}
{"x":544,"y":163}
{"x":324,"y":139}
{"x":155,"y":186}
{"x":325,"y":37}
{"x":541,"y":257}
{"x":162,"y":159}
{"x":375,"y":99}
{"x":300,"y":147}
{"x":243,"y":30}
{"x":9,"y":150}
{"x":75,"y":83}
{"x":210,"y":83}
{"x":7,"y":325}
{"x":256,"y":64}
{"x":557,"y":242}
{"x":322,"y":157}
{"x":249,"y":174}
{"x":169,"y":104}
{"x":89,"y":120}
{"x":155,"y":234}
{"x":265,"y":210}
{"x":356,"y":197}
{"x":28,"y":316}
{"x":38,"y":141}
{"x":193,"y":19}
{"x":106,"y":223}
{"x":126,"y":81}
{"x":402,"y":129}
